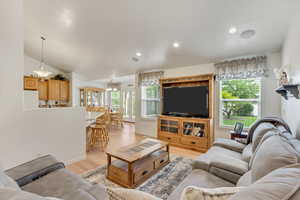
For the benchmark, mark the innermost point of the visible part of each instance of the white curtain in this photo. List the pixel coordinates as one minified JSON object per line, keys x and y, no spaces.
{"x":150,"y":78}
{"x":242,"y":68}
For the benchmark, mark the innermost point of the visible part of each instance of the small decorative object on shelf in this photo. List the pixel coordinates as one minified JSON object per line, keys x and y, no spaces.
{"x":282,"y":75}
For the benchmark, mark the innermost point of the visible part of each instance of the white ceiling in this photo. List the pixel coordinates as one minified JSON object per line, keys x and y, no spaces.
{"x":98,"y":38}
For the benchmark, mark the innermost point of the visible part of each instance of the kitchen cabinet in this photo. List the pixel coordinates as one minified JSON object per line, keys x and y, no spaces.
{"x":64,"y":90}
{"x":54,"y":90}
{"x":43,"y":90}
{"x":30,"y":83}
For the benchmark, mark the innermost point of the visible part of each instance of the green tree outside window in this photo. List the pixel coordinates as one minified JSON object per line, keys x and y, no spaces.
{"x":240,"y":101}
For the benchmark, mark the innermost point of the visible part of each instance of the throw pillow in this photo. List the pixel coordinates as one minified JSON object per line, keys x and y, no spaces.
{"x":128,"y":194}
{"x":196,"y":193}
{"x":280,"y":184}
{"x":273,"y":153}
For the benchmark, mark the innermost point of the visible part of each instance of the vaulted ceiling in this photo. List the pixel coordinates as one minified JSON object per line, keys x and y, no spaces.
{"x":98,"y":38}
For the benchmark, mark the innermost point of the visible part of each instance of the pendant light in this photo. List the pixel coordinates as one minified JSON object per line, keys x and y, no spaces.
{"x":42,"y":72}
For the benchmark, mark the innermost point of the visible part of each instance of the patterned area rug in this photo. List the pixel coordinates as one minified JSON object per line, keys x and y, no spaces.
{"x":160,"y":185}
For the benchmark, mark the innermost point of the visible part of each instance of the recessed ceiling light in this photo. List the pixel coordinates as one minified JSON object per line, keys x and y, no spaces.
{"x":176,"y":45}
{"x":247,"y":34}
{"x":139,"y":54}
{"x":232,"y":30}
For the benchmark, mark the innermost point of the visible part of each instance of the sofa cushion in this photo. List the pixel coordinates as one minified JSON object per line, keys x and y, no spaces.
{"x":259,"y":133}
{"x":196,"y":193}
{"x":13,"y":194}
{"x":61,"y":183}
{"x":228,"y":168}
{"x":199,"y":178}
{"x":280,"y":184}
{"x":229,"y":144}
{"x":6,"y":181}
{"x":234,"y":165}
{"x":203,"y":161}
{"x":245,"y":180}
{"x":247,"y":153}
{"x":272,"y":153}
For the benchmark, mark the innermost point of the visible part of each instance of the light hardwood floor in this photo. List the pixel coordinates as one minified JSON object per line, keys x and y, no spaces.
{"x":120,"y":137}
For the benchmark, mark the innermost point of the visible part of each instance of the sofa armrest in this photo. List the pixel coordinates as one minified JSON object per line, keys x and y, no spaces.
{"x":230,"y":144}
{"x":32,"y":170}
{"x":236,"y":166}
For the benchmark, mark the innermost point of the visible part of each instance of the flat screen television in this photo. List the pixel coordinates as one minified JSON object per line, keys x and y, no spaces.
{"x":186,"y":101}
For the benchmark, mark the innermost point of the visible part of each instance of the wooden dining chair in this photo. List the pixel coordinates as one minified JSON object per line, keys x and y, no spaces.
{"x":104,"y":119}
{"x":97,"y":137}
{"x":117,"y":117}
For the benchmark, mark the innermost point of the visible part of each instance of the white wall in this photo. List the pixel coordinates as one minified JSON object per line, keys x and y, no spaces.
{"x":291,"y":55}
{"x":31,"y":64}
{"x":149,"y":126}
{"x":55,"y":131}
{"x":26,"y":134}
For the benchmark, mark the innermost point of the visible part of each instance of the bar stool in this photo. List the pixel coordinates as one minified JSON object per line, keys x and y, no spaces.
{"x":97,"y":137}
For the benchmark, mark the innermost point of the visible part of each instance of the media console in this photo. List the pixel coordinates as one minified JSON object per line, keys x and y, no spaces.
{"x":188,"y":132}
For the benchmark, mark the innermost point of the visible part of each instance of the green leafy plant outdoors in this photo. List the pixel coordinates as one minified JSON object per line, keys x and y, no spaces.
{"x":239,"y":111}
{"x":240,"y":89}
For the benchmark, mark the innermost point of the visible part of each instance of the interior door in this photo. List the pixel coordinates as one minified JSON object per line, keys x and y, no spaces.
{"x":129,"y":104}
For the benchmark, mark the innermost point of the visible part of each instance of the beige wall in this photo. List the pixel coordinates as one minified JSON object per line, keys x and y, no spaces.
{"x":149,"y":126}
{"x":24,"y":135}
{"x":291,"y":55}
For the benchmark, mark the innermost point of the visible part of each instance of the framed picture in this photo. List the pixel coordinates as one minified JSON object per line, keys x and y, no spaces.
{"x":238,"y":128}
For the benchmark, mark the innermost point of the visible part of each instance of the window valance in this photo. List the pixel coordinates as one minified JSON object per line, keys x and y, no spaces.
{"x":242,"y":68}
{"x":150,"y":78}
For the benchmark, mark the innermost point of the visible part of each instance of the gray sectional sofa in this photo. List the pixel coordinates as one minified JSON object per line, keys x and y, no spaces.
{"x":267,"y":167}
{"x":48,"y":177}
{"x":228,"y":163}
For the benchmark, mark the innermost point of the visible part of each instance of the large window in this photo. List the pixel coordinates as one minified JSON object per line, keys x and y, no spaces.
{"x":150,"y":101}
{"x":115,"y":100}
{"x":240,"y":101}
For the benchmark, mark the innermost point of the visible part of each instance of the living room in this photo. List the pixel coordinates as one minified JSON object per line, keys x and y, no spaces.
{"x":242,"y":59}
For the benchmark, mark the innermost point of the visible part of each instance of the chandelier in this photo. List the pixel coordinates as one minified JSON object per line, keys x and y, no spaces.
{"x":42,"y":72}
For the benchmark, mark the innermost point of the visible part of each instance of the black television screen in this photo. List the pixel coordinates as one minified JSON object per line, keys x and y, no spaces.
{"x":188,"y":101}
